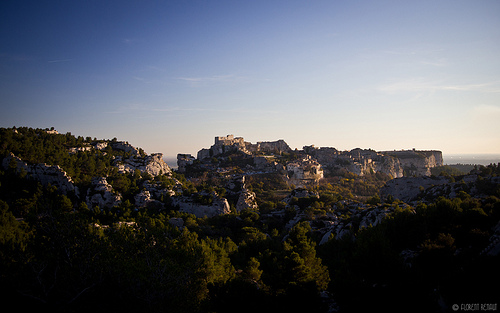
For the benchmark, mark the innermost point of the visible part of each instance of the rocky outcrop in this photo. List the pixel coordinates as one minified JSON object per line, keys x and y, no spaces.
{"x":152,"y":164}
{"x":246,"y":201}
{"x":363,"y":161}
{"x":360,"y":216}
{"x":428,"y":189}
{"x":101,"y":194}
{"x":357,"y":161}
{"x":216,"y":205}
{"x":275,"y":147}
{"x":124,"y":146}
{"x":417,"y":162}
{"x":156,"y":189}
{"x":79,"y":149}
{"x":183,"y":160}
{"x":142,"y":199}
{"x":409,"y":188}
{"x":230,"y":143}
{"x":100,"y":145}
{"x":267,"y":164}
{"x":304,"y":170}
{"x":46,"y":174}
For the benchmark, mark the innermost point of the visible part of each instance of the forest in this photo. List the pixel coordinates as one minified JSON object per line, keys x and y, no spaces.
{"x":57,"y":253}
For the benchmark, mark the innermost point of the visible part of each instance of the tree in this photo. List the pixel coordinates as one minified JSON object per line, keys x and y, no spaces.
{"x":301,"y":263}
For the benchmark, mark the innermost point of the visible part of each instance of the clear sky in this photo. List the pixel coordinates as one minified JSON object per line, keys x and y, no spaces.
{"x":169,"y":76}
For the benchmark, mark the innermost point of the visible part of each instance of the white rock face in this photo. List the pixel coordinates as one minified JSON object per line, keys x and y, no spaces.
{"x":100,"y":145}
{"x":152,"y":164}
{"x":46,"y":174}
{"x":101,"y":194}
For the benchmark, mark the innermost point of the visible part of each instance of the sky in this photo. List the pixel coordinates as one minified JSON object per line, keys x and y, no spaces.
{"x":169,"y":76}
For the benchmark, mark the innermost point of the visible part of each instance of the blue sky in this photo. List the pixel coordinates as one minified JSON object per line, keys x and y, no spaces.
{"x":169,"y":76}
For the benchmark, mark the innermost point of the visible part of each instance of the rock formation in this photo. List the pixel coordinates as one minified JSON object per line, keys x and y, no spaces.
{"x":46,"y":174}
{"x":152,"y":164}
{"x":364,"y":161}
{"x":142,"y":199}
{"x":189,"y":204}
{"x":408,"y":188}
{"x":246,"y":200}
{"x":230,"y":143}
{"x":367,"y":217}
{"x":124,"y":146}
{"x":417,"y":162}
{"x":183,"y":160}
{"x":101,"y":194}
{"x":304,"y":170}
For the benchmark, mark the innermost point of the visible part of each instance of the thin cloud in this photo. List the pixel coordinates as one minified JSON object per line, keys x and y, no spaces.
{"x":421,"y":85}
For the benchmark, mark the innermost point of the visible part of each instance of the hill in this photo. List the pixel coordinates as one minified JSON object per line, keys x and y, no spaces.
{"x":96,"y":224}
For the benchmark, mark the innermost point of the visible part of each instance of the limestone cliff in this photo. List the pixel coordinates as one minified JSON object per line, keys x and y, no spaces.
{"x":417,"y":162}
{"x":363,"y":161}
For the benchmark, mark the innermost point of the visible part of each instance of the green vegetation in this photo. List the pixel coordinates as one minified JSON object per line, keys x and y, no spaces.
{"x":59,"y":254}
{"x":453,"y":170}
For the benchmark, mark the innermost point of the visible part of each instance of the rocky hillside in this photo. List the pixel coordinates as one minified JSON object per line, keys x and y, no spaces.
{"x":309,"y":164}
{"x":100,"y":225}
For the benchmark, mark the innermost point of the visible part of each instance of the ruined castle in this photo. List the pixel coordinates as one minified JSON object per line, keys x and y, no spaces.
{"x":230,"y":143}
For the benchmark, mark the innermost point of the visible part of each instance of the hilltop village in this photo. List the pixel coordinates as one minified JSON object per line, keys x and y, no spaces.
{"x":307,"y":165}
{"x":247,"y":225}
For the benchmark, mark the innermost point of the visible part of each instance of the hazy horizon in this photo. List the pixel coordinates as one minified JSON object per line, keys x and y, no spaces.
{"x":168,"y":77}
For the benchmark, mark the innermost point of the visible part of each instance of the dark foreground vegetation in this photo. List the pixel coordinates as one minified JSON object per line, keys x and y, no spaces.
{"x":56,"y":253}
